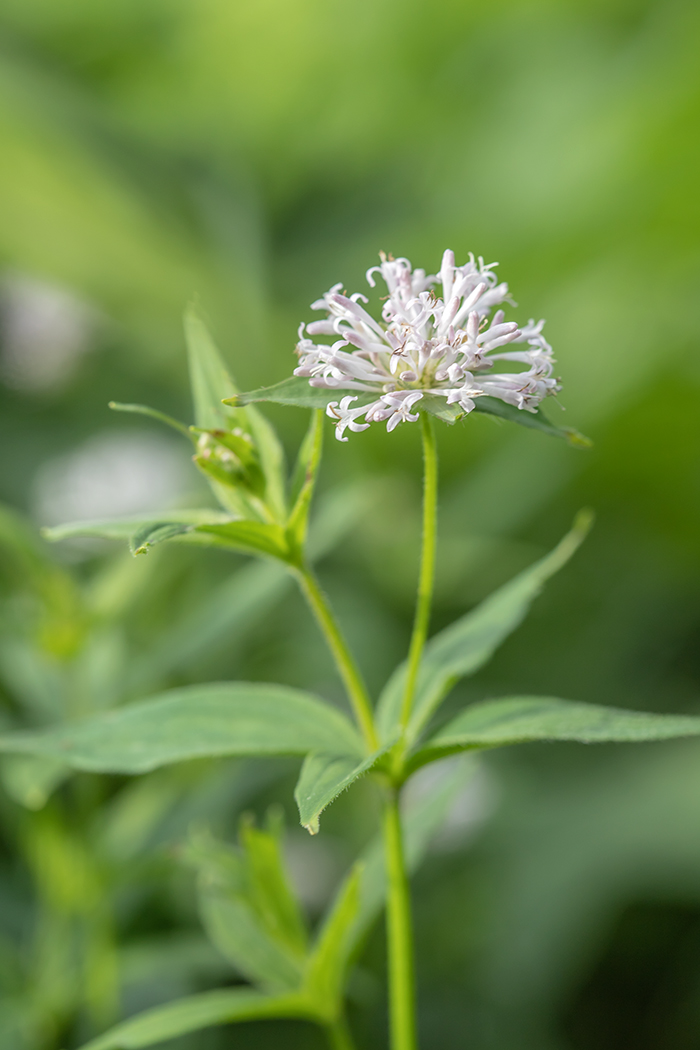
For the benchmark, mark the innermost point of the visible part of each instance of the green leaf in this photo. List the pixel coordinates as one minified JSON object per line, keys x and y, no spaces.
{"x":420,"y":822}
{"x":235,"y":929}
{"x":292,"y":391}
{"x":268,"y":885}
{"x":248,"y":908}
{"x":296,"y":391}
{"x":124,"y":528}
{"x":253,"y":537}
{"x":194,"y":722}
{"x":212,"y":385}
{"x":304,"y":480}
{"x":197,"y":1012}
{"x":464,"y":646}
{"x":325,"y":971}
{"x":153,"y":413}
{"x":524,"y":719}
{"x":323,"y":777}
{"x":30,"y":780}
{"x":209,"y":378}
{"x":272,"y":462}
{"x":534,"y":420}
{"x":153,"y":534}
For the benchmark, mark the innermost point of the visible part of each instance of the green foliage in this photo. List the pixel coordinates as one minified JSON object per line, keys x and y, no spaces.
{"x":323,"y":777}
{"x":248,"y":908}
{"x":296,"y":391}
{"x":198,"y":1012}
{"x":524,"y":719}
{"x":194,"y":722}
{"x":464,"y":646}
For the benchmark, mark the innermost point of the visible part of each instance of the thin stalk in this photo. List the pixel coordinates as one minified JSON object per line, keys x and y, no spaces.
{"x":427,"y":566}
{"x":402,"y":1004}
{"x":339,"y":1036}
{"x":345,"y":661}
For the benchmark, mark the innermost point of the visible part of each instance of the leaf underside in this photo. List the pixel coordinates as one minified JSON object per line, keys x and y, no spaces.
{"x":323,"y":777}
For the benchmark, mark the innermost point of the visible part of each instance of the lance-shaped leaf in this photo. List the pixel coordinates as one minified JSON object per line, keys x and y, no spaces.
{"x":251,"y":537}
{"x":194,"y":722}
{"x":127,"y":527}
{"x":304,"y":481}
{"x":296,"y":391}
{"x":197,"y":1012}
{"x":525,"y":719}
{"x":248,"y":908}
{"x":323,"y":777}
{"x":158,"y":532}
{"x":420,"y":822}
{"x":325,"y":971}
{"x":464,"y":646}
{"x":209,"y":379}
{"x":211,"y":387}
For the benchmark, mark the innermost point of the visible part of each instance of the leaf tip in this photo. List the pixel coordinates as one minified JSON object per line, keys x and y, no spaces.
{"x":312,"y":827}
{"x":584,"y":520}
{"x":233,"y":402}
{"x":576,"y":439}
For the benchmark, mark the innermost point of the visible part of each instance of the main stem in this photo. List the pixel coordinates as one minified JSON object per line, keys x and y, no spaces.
{"x":427,"y":566}
{"x":399,"y":927}
{"x":344,"y":660}
{"x":402,"y":995}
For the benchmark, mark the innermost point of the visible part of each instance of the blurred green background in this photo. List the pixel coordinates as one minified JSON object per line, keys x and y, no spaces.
{"x":252,"y":155}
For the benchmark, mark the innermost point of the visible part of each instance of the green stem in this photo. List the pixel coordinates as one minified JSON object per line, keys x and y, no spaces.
{"x":402,"y":1005}
{"x":345,"y":661}
{"x":339,"y":1035}
{"x":427,"y":566}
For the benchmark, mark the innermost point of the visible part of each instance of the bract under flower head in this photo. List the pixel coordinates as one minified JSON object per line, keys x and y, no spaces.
{"x":425,"y":344}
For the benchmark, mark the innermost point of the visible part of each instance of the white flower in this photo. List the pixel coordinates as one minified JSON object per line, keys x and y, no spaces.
{"x":449,"y":346}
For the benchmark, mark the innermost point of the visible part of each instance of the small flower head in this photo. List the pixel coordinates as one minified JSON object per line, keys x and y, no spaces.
{"x":449,"y":345}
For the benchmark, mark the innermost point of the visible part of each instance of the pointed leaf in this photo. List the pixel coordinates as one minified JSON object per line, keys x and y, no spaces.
{"x":304,"y":479}
{"x":524,"y":719}
{"x":253,"y":537}
{"x":269,"y":886}
{"x":235,"y":929}
{"x":198,"y":1012}
{"x":153,"y":534}
{"x":325,"y":972}
{"x":272,"y":462}
{"x":194,"y":722}
{"x":296,"y":391}
{"x":420,"y":822}
{"x":209,"y":378}
{"x":292,"y":391}
{"x":30,"y":780}
{"x":323,"y":777}
{"x":467,"y":644}
{"x":534,"y":420}
{"x":124,"y":528}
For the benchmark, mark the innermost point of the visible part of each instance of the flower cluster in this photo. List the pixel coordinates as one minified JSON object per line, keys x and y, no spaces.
{"x":427,"y":345}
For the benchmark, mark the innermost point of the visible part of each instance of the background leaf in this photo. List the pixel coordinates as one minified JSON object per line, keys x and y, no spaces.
{"x":198,"y":1012}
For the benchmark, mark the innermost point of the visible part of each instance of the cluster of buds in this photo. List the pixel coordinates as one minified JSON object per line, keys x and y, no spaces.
{"x":425,"y":344}
{"x":229,"y":457}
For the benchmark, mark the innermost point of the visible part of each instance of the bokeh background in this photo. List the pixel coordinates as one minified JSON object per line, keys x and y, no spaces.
{"x":251,"y":155}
